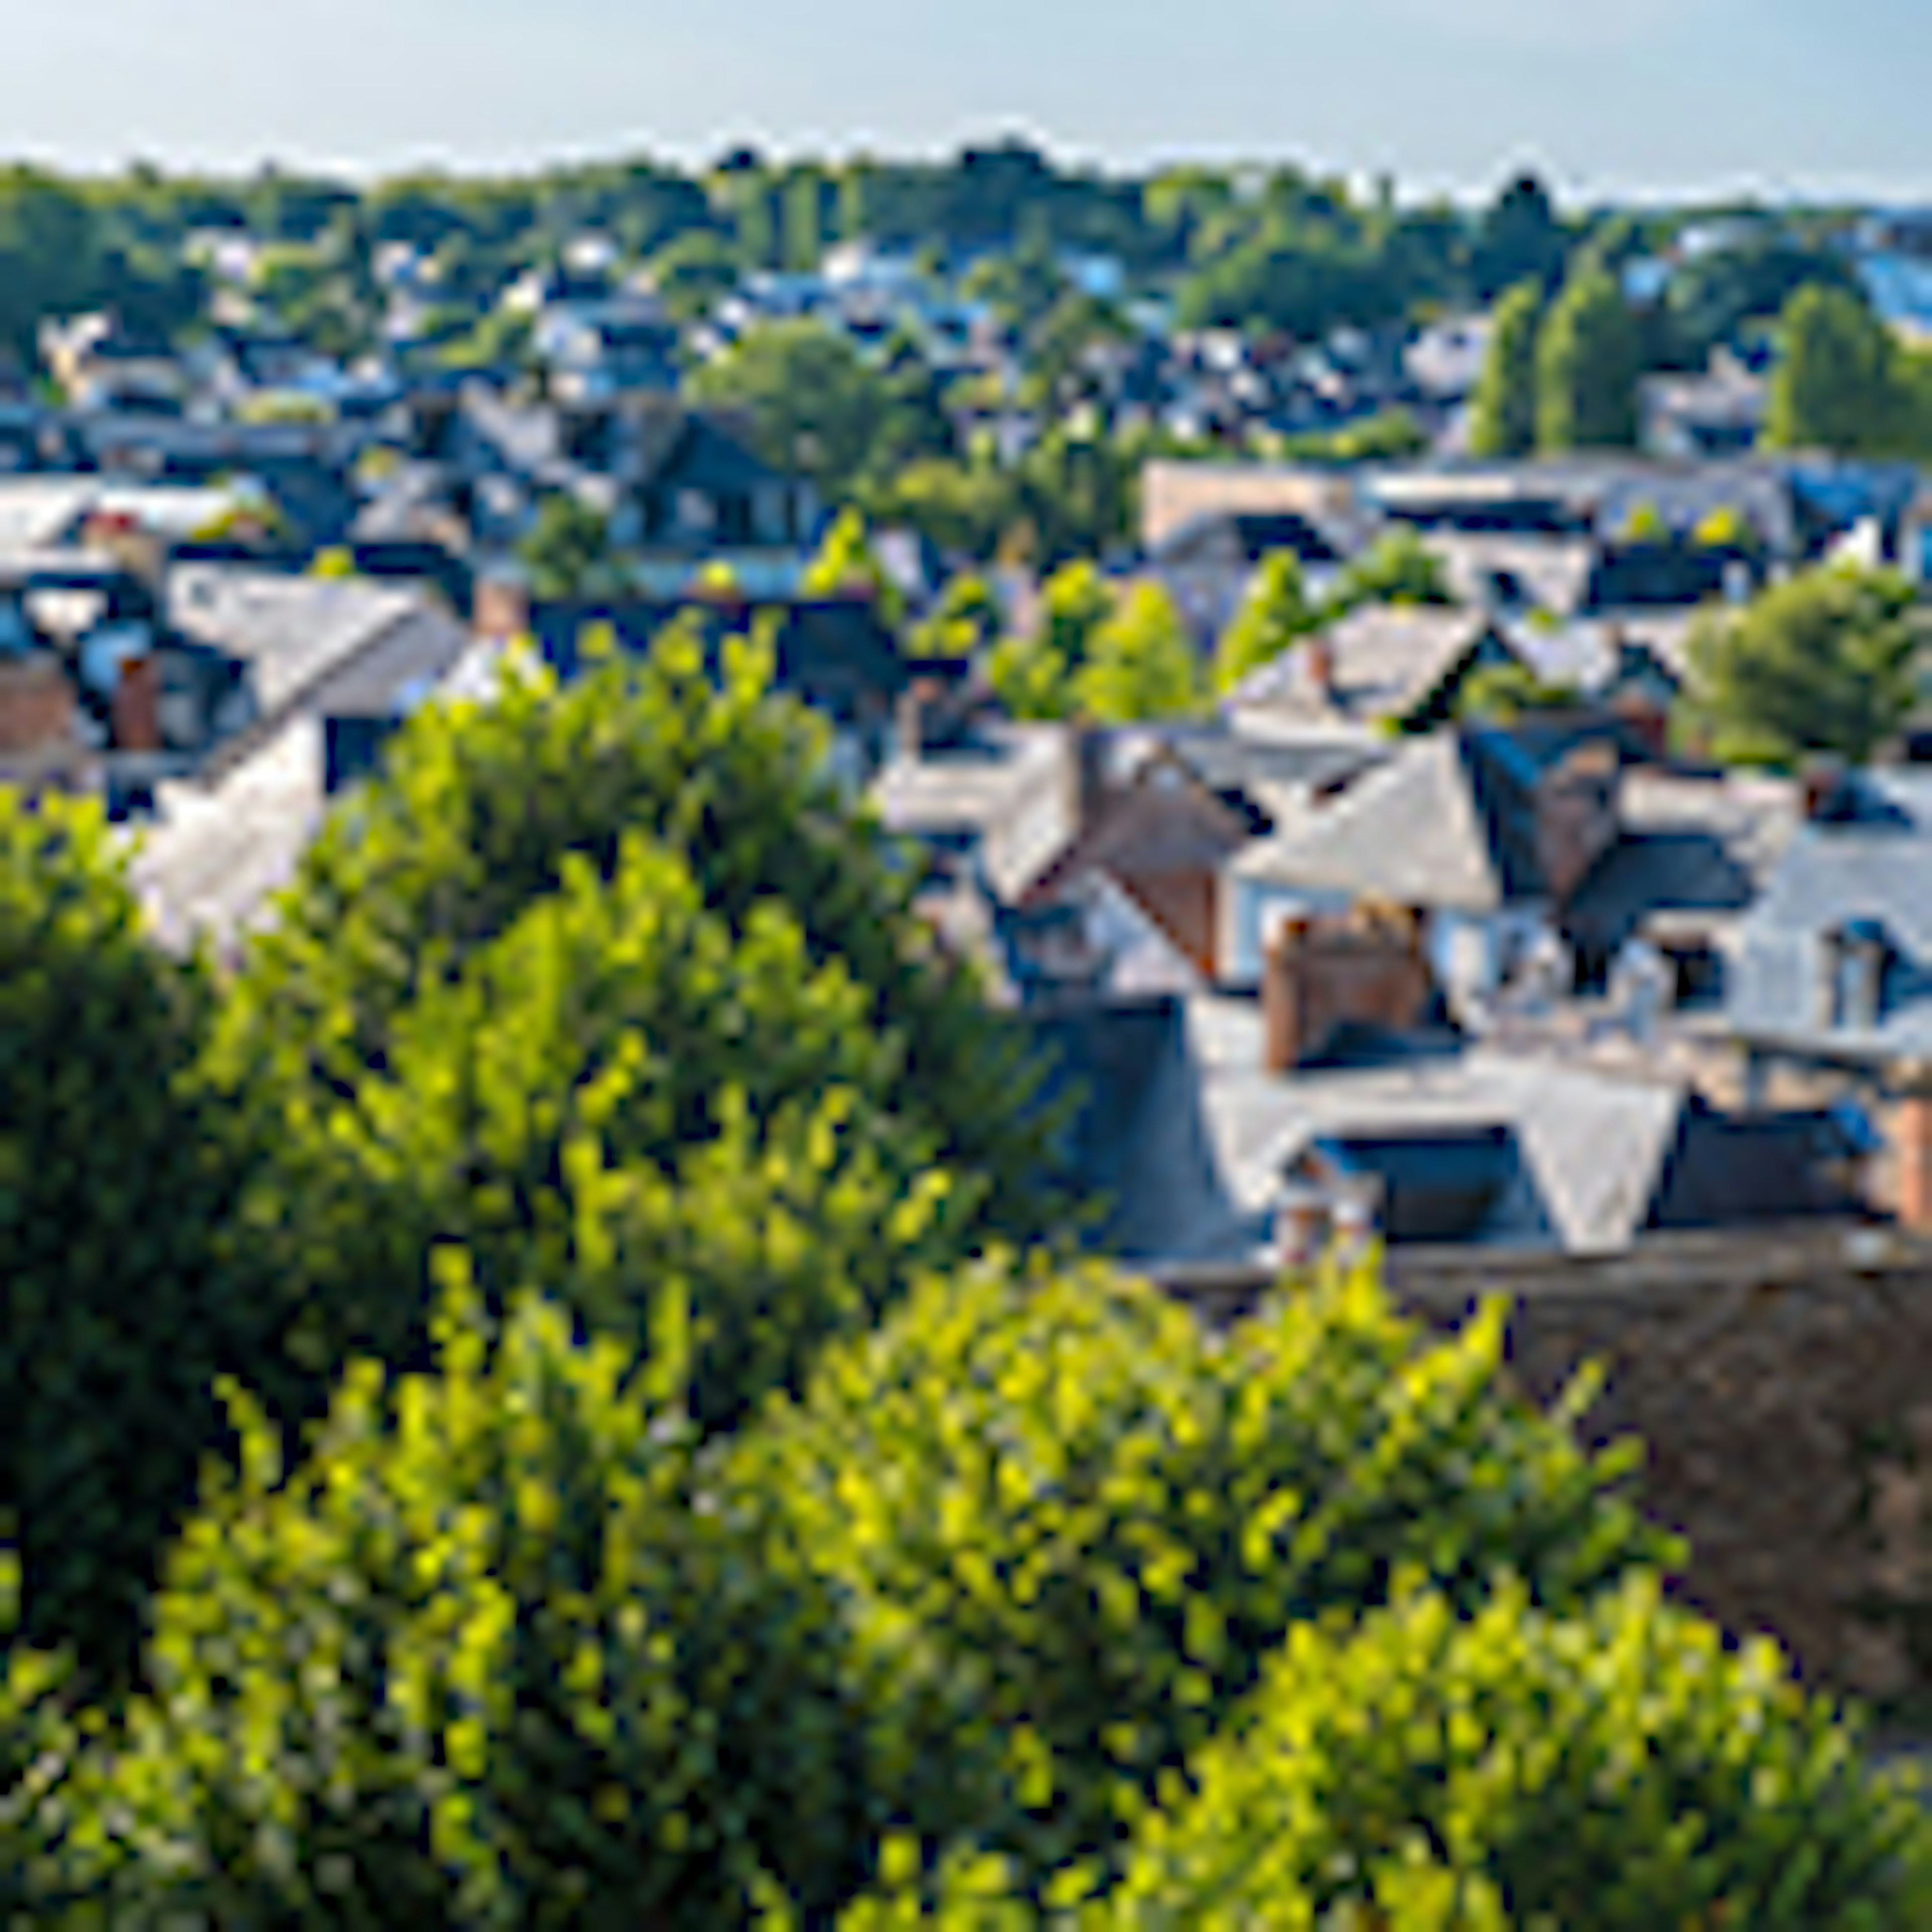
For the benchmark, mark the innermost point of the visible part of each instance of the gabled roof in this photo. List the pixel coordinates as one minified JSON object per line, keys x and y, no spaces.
{"x":1443,"y":824}
{"x":1695,"y":852}
{"x":1389,"y":661}
{"x":1196,"y":1137}
{"x":1875,"y":869}
{"x":1511,"y":572}
{"x":821,"y":642}
{"x":1245,"y":537}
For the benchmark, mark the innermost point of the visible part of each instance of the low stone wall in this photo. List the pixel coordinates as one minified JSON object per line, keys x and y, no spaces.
{"x":1783,"y":1384}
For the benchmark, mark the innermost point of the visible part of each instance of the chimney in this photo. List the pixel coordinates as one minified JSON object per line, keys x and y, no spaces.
{"x":136,"y":550}
{"x":36,"y":704}
{"x":1284,"y":997}
{"x":1576,"y":817}
{"x":1317,"y":653}
{"x":1371,"y":969}
{"x":137,"y":704}
{"x":1912,"y":1147}
{"x":918,"y":719}
{"x":500,"y":609}
{"x":1819,"y":783}
{"x":1086,"y":756}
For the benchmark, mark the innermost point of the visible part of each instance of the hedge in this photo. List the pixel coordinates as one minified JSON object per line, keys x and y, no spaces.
{"x":479,"y":808}
{"x":116,"y":1319}
{"x":617,"y":1097}
{"x":1077,"y":1521}
{"x":486,"y":1659}
{"x":1618,"y":1768}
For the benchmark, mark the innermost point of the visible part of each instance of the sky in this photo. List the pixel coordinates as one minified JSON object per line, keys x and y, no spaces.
{"x":1608,"y":98}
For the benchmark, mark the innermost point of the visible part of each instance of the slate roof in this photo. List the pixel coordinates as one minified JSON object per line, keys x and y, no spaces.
{"x":822,"y":642}
{"x":1504,"y":571}
{"x":1008,"y":793}
{"x":1261,"y":767}
{"x":1446,"y":824}
{"x":1389,"y":661}
{"x":1875,"y":869}
{"x":1192,"y":1140}
{"x":1695,"y":854}
{"x":1246,"y":537}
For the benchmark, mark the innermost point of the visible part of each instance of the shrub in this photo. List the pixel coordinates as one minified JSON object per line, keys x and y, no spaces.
{"x":1064,"y":1506}
{"x":616,"y":1096}
{"x":478,"y":810}
{"x":485,"y":1660}
{"x":115,"y":1322}
{"x":1618,"y":1768}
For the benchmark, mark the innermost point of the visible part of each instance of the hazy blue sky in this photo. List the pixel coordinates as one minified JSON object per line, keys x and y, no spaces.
{"x":1607,"y":95}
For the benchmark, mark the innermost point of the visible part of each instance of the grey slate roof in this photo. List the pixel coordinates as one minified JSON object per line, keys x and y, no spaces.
{"x":1010,"y":792}
{"x":1696,"y":853}
{"x":1192,"y":1139}
{"x":1877,"y":869}
{"x":1443,"y":824}
{"x":1389,"y":661}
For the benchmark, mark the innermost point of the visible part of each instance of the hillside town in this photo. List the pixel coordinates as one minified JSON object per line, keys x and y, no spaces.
{"x":1440,"y":902}
{"x":789,"y":951}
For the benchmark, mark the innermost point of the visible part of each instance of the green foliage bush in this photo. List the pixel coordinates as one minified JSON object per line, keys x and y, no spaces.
{"x":487,"y":1659}
{"x":115,"y":1321}
{"x":1080,"y":1521}
{"x":480,"y":808}
{"x":1618,"y":1769}
{"x":617,"y":1097}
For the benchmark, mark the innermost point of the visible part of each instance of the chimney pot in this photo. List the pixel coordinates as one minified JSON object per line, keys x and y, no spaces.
{"x":1912,"y":1147}
{"x":1318,"y":651}
{"x":1820,"y":781}
{"x":137,"y":705}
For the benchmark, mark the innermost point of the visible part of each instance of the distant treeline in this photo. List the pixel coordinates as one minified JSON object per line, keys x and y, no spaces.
{"x":1281,"y":248}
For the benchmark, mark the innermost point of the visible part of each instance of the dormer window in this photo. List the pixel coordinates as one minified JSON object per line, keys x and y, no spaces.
{"x":1857,"y":962}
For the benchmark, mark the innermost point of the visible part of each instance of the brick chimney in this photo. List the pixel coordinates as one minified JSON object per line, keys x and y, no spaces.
{"x":1318,"y":654}
{"x":137,"y":550}
{"x":1912,"y":1147}
{"x":1086,"y":775}
{"x":137,"y":705}
{"x":1819,"y":783}
{"x":37,"y":704}
{"x":1577,"y":818}
{"x":1370,"y":969}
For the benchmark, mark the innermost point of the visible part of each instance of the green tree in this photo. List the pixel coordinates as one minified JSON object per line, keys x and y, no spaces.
{"x":1520,"y":238}
{"x":1274,"y":616}
{"x":531,"y":1108}
{"x":1829,"y":662}
{"x":1503,"y":412}
{"x":965,"y":508}
{"x":963,"y":621}
{"x":1835,"y":387}
{"x":484,"y":1658}
{"x":1142,"y":666}
{"x":1313,"y":1809}
{"x":117,"y":1317}
{"x":477,"y":818}
{"x":1587,"y":370}
{"x":1107,"y":1517}
{"x":816,"y":409}
{"x":1036,"y":676}
{"x":1505,"y":694}
{"x":692,"y":273}
{"x":847,"y":562}
{"x":1645,"y":524}
{"x":568,"y":552}
{"x":1399,"y":569}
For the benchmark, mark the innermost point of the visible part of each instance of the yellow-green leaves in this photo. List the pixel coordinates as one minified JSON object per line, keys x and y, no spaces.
{"x":1097,"y":1519}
